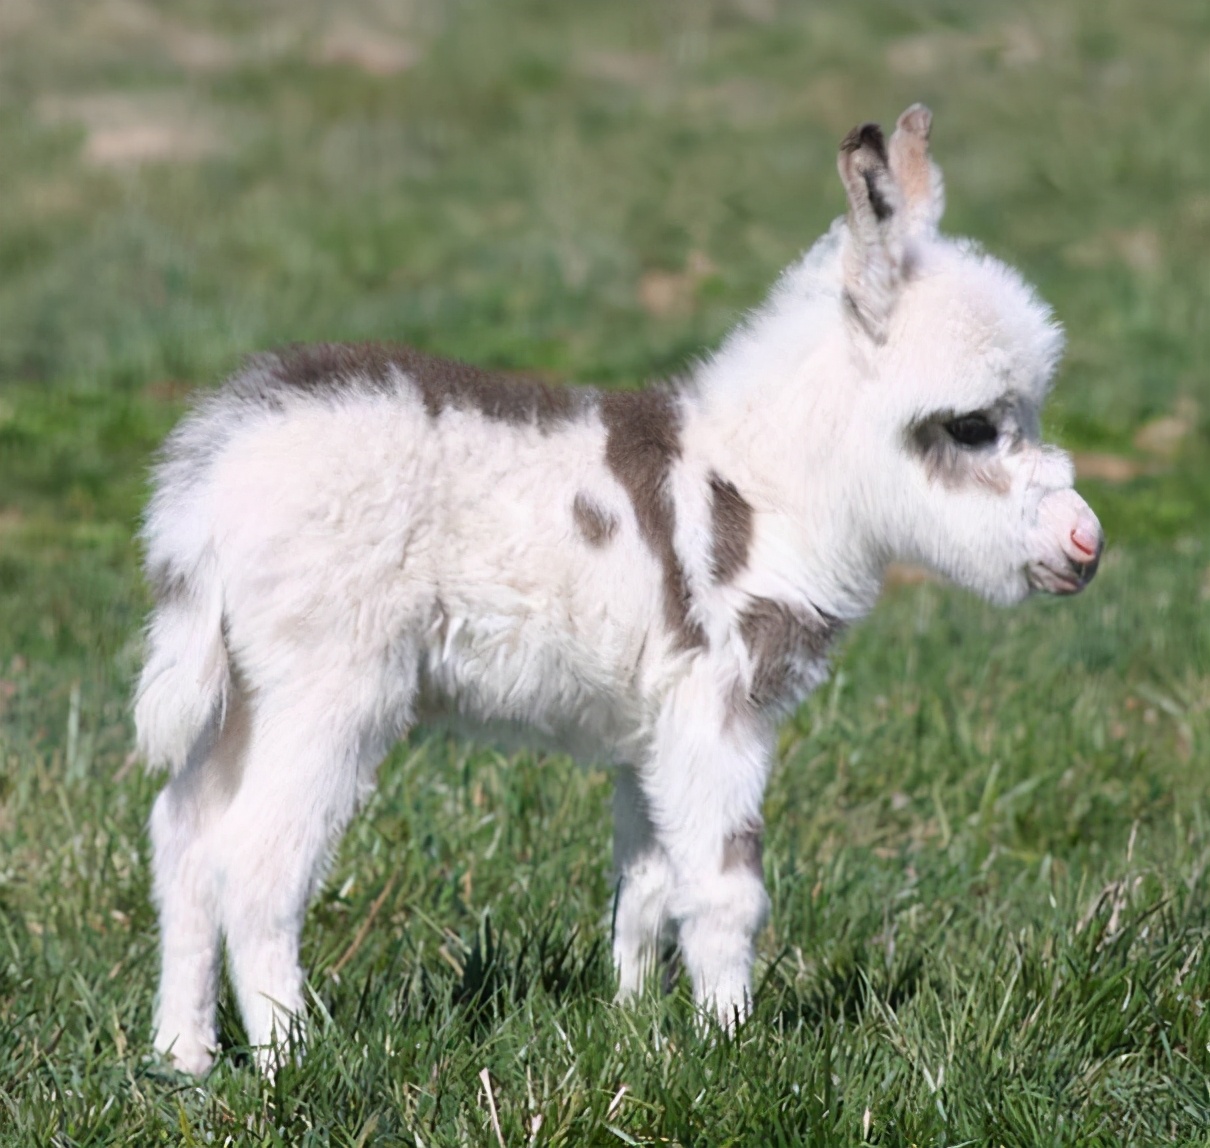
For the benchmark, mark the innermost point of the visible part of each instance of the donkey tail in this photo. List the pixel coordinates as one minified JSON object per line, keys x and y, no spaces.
{"x":183,"y":689}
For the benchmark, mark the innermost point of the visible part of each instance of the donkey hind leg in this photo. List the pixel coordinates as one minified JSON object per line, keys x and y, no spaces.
{"x":183,"y":820}
{"x":309,"y":767}
{"x":644,"y":875}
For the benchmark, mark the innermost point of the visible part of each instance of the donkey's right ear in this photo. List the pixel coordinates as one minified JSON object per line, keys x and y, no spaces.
{"x":873,"y":257}
{"x":918,"y":177}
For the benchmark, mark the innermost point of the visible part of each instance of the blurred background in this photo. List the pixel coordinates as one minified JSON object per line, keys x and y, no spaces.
{"x":597,"y":192}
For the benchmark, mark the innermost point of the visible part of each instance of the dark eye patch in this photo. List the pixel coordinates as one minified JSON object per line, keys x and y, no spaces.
{"x":971,"y":430}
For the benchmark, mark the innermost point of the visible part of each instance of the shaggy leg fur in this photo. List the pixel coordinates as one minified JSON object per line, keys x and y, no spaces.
{"x":189,"y":949}
{"x":704,"y":788}
{"x":301,"y":786}
{"x":183,"y":825}
{"x":645,"y":880}
{"x":721,"y":913}
{"x":241,"y":842}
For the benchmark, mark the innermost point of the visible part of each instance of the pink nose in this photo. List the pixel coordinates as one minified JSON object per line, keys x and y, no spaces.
{"x":1084,"y":544}
{"x":1065,"y":520}
{"x":1087,"y":540}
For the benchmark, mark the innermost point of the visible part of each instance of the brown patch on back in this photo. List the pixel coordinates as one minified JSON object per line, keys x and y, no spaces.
{"x":783,"y":642}
{"x":641,"y":444}
{"x":731,"y":528}
{"x":745,"y":849}
{"x":596,"y":525}
{"x":325,"y":368}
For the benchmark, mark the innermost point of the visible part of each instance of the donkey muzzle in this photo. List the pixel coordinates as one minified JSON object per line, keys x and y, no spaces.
{"x":1071,"y":542}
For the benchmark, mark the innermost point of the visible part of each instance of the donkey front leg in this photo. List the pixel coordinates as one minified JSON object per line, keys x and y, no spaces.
{"x":704,"y":787}
{"x":721,"y":912}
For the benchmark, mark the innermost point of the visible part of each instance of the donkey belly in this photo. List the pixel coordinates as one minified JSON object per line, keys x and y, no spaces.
{"x":520,"y":682}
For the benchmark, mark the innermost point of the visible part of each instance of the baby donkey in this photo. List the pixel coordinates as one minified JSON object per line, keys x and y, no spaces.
{"x":345,"y":541}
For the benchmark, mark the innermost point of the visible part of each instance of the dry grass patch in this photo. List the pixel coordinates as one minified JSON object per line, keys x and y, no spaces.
{"x":1013,"y":45}
{"x":124,"y":130}
{"x":1138,"y":248}
{"x":372,"y":52}
{"x":664,"y":294}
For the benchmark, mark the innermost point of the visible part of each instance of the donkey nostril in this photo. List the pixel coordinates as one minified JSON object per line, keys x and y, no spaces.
{"x":1083,"y":541}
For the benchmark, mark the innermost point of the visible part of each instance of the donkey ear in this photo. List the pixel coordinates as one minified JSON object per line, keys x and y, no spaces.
{"x":873,"y":257}
{"x":918,"y":177}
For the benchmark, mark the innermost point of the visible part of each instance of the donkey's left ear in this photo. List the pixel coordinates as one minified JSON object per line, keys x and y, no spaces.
{"x":918,"y":177}
{"x":873,"y":253}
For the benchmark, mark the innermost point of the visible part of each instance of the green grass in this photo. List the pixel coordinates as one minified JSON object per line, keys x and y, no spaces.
{"x":988,"y":834}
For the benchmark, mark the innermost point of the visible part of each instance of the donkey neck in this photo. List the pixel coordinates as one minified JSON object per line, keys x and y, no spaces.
{"x":771,"y":412}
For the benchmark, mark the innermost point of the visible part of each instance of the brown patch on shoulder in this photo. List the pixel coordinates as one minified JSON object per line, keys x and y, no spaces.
{"x":745,"y":849}
{"x":731,"y":529}
{"x":596,"y":525}
{"x":326,"y":368}
{"x":642,"y":441}
{"x":784,"y":644}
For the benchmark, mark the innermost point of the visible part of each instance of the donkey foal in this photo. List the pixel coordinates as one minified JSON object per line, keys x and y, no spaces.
{"x":347,"y":540}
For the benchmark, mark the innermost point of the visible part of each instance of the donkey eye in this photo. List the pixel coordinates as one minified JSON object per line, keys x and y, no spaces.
{"x":972,"y":430}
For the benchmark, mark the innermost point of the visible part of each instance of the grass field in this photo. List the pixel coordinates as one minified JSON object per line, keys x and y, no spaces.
{"x":989,"y":833}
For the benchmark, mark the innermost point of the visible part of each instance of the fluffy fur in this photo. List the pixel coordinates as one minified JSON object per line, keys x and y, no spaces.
{"x":347,"y":541}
